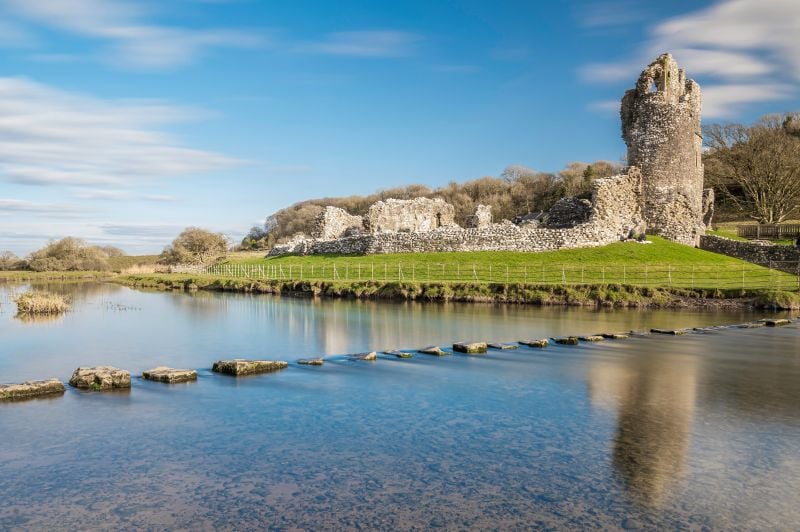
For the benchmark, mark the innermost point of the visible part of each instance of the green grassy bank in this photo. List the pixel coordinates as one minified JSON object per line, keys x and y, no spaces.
{"x":611,"y":295}
{"x":662,"y":264}
{"x":21,"y":275}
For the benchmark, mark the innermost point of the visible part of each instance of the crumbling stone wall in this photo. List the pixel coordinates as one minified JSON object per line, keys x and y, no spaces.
{"x":482,"y":217}
{"x":418,"y":215}
{"x":615,"y":210}
{"x":568,"y":212}
{"x":785,"y":258}
{"x":661,"y":127}
{"x":334,"y":222}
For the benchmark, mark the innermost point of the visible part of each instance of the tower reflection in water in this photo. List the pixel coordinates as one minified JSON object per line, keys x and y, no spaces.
{"x":654,"y":398}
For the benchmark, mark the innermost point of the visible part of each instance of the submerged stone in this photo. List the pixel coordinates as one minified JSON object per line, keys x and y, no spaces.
{"x":503,"y":346}
{"x":100,"y":378}
{"x":169,"y":375}
{"x":614,"y":336}
{"x":30,"y":389}
{"x":544,"y":342}
{"x":752,"y":325}
{"x":432,"y":350}
{"x":592,"y":338}
{"x":311,"y":361}
{"x":369,"y":357}
{"x":470,"y":347}
{"x":566,"y":340}
{"x":399,"y":354}
{"x":668,"y":331}
{"x":241,"y":366}
{"x":775,"y":322}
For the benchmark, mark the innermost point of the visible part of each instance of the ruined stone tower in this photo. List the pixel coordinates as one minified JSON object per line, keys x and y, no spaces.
{"x":661,"y":126}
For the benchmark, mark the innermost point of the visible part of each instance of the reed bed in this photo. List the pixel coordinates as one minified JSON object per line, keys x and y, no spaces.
{"x":41,"y":303}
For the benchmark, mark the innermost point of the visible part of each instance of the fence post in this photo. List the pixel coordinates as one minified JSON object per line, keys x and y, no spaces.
{"x":692,"y":276}
{"x":624,"y":274}
{"x":645,"y":275}
{"x":604,"y":274}
{"x":525,"y":273}
{"x":474,"y":273}
{"x":563,"y":275}
{"x":742,"y":276}
{"x":506,"y":273}
{"x":490,"y":273}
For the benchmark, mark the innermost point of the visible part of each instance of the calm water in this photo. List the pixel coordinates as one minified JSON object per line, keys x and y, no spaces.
{"x":700,"y":431}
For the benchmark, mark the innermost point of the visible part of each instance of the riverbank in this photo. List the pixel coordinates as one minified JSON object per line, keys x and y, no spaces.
{"x":599,"y":295}
{"x":25,"y":275}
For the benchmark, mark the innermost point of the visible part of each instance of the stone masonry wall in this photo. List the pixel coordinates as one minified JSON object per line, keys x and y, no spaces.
{"x":333,"y":222}
{"x":418,"y":215}
{"x":784,"y":258}
{"x":482,"y":217}
{"x":615,"y":210}
{"x":661,"y":127}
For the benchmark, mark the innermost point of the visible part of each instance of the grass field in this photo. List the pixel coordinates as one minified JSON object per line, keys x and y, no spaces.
{"x":728,"y":230}
{"x":661,"y":263}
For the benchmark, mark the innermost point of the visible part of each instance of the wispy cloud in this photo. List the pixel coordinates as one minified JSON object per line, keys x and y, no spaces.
{"x":53,"y":137}
{"x":610,"y":14}
{"x":9,"y":206}
{"x":745,"y":51}
{"x":133,"y":40}
{"x":153,"y":231}
{"x":368,"y":43}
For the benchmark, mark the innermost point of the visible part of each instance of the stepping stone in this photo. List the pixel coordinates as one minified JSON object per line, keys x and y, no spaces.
{"x":775,"y":322}
{"x":470,"y":347}
{"x":240,"y":366}
{"x":503,"y":346}
{"x":30,"y":389}
{"x":311,"y":361}
{"x":544,"y":342}
{"x":432,"y":350}
{"x":169,"y":375}
{"x":640,"y":333}
{"x":752,"y":325}
{"x":614,"y":336}
{"x":100,"y":378}
{"x":591,"y":338}
{"x":399,"y":354}
{"x":668,"y":331}
{"x":369,"y":357}
{"x":566,"y":340}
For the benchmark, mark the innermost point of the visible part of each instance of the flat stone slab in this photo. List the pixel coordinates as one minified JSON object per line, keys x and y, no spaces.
{"x":240,"y":366}
{"x":30,"y":389}
{"x":399,"y":354}
{"x":100,"y":378}
{"x":503,"y":346}
{"x":369,"y":357}
{"x":169,"y":375}
{"x":615,"y":336}
{"x":470,"y":347}
{"x":544,"y":342}
{"x":311,"y":361}
{"x":591,"y":338}
{"x":566,"y":340}
{"x":775,"y":322}
{"x":432,"y":350}
{"x":668,"y":331}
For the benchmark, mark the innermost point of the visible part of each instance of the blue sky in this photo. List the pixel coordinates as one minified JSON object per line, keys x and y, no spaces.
{"x":124,"y":121}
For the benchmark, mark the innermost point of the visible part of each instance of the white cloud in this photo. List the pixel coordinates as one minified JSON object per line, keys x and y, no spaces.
{"x":745,"y":51}
{"x":134,"y":42}
{"x":8,"y":206}
{"x":610,"y":14}
{"x":369,"y":43}
{"x":53,"y":137}
{"x":605,"y":106}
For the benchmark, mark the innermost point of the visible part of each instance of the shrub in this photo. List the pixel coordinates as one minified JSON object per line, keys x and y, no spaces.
{"x":194,"y":246}
{"x":69,"y":254}
{"x":41,"y":303}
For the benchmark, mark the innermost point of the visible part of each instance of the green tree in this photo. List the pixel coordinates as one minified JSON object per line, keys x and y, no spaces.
{"x":194,"y":246}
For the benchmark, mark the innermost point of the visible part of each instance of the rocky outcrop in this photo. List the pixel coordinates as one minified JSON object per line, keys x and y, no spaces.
{"x":100,"y":378}
{"x":311,"y":361}
{"x":368,"y":357}
{"x":240,"y":366}
{"x":169,"y":375}
{"x":432,"y":350}
{"x":30,"y":389}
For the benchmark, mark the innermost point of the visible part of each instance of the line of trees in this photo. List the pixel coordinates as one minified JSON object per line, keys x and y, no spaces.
{"x":517,"y":191}
{"x":67,"y":254}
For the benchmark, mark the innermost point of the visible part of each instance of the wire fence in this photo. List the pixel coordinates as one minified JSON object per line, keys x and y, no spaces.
{"x":777,"y":275}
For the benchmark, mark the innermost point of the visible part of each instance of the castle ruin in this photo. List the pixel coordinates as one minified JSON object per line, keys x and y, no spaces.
{"x":661,"y":192}
{"x":661,"y":127}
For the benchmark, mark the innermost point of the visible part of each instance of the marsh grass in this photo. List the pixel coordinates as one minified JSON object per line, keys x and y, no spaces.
{"x":41,"y":304}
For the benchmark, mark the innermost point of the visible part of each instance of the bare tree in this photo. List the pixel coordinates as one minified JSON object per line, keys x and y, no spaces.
{"x":756,"y":167}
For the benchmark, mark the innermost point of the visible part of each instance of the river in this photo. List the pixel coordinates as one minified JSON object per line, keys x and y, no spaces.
{"x":695,"y":431}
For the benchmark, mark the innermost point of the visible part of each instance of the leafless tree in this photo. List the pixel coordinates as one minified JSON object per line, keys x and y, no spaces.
{"x":756,"y":167}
